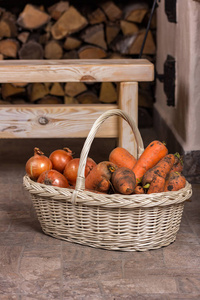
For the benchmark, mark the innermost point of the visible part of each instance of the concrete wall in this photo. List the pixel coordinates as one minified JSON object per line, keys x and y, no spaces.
{"x":181,"y":40}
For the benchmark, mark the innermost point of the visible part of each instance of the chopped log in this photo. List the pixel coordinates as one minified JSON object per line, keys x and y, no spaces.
{"x":149,"y":47}
{"x":48,"y":27}
{"x":17,"y":101}
{"x":132,"y":44}
{"x":23,"y":36}
{"x":95,"y":35}
{"x":48,"y":85}
{"x":7,"y":90}
{"x":31,"y":50}
{"x":108,"y":93}
{"x":112,"y":31}
{"x":19,"y":84}
{"x":153,"y":24}
{"x":71,"y":43}
{"x":122,"y":44}
{"x":96,"y":17}
{"x":37,"y":91}
{"x":128,"y":28}
{"x":32,"y":17}
{"x":135,"y":12}
{"x":112,"y":11}
{"x":70,"y":100}
{"x":73,"y":89}
{"x":71,"y":55}
{"x":57,"y":89}
{"x":87,"y":98}
{"x":115,"y":55}
{"x":91,"y":52}
{"x":53,"y":50}
{"x":44,"y":38}
{"x":71,"y":21}
{"x":7,"y":28}
{"x":2,"y":102}
{"x":50,"y":100}
{"x":9,"y":47}
{"x":58,"y":9}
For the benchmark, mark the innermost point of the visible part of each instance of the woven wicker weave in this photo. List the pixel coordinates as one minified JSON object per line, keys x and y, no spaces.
{"x":113,"y":222}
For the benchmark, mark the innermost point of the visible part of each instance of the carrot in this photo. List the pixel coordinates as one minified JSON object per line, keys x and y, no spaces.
{"x":178,"y":164}
{"x":122,"y":158}
{"x":123,"y":180}
{"x":139,"y":190}
{"x":157,"y":185}
{"x":174,"y":182}
{"x":99,"y":177}
{"x":154,"y":152}
{"x":161,"y":170}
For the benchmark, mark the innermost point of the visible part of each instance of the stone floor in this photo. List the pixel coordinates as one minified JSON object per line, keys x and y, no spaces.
{"x":36,"y":266}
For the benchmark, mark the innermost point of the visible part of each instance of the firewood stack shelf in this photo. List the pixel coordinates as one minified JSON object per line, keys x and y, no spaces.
{"x":73,"y":121}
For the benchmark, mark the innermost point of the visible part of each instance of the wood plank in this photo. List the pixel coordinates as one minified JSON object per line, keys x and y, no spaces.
{"x":94,"y":70}
{"x":128,"y":102}
{"x":64,"y":121}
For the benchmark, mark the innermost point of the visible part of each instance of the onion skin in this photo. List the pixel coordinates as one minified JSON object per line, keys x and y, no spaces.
{"x":53,"y":177}
{"x":37,"y":164}
{"x":60,"y":158}
{"x":71,"y":169}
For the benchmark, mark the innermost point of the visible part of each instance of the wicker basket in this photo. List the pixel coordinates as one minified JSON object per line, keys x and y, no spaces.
{"x":113,"y":222}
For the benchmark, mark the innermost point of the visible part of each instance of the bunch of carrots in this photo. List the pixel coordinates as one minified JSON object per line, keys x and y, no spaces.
{"x":155,"y":171}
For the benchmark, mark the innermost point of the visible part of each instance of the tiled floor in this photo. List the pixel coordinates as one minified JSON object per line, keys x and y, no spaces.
{"x":36,"y":266}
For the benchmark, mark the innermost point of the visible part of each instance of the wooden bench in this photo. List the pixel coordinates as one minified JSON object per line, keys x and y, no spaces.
{"x":73,"y":121}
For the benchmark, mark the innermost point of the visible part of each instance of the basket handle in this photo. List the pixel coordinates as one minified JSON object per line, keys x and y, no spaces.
{"x":80,"y":182}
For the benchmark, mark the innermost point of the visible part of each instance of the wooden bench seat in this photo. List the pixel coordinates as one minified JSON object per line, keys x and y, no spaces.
{"x":73,"y":121}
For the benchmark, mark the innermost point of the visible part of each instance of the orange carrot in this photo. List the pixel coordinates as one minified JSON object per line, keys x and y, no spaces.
{"x":157,"y":185}
{"x":139,"y":190}
{"x":122,"y":158}
{"x":178,"y":164}
{"x":123,"y":180}
{"x":174,"y":182}
{"x":99,"y":177}
{"x":154,"y":152}
{"x":161,"y":169}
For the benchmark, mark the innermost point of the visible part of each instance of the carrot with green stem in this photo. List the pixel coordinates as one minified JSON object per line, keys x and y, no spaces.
{"x":139,"y":190}
{"x":178,"y":164}
{"x":152,"y":154}
{"x":156,"y":176}
{"x":174,"y":182}
{"x":99,"y":178}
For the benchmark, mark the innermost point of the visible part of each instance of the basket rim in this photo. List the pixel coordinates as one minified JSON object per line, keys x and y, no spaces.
{"x":107,"y":200}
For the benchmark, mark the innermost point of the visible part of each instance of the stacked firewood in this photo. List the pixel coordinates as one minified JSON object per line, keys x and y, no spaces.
{"x":64,"y":31}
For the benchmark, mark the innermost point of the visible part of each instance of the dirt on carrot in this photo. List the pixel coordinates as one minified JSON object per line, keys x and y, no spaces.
{"x":123,"y":181}
{"x":178,"y":164}
{"x":99,"y":178}
{"x":152,"y":154}
{"x":174,"y":182}
{"x":139,"y":190}
{"x":155,"y":175}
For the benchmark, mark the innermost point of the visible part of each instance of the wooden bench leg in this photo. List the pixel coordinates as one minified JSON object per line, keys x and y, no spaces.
{"x":128,"y":102}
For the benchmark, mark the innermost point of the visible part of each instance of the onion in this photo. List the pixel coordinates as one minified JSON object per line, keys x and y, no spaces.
{"x":71,"y":169}
{"x":37,"y":164}
{"x":53,"y":177}
{"x":60,"y":158}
